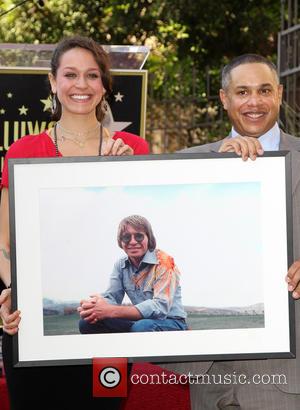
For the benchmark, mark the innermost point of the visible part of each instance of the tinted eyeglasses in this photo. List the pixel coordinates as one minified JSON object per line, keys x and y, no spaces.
{"x":138,"y":236}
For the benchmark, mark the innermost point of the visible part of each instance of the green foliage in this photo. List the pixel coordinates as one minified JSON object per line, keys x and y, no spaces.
{"x":184,"y":36}
{"x":208,"y":31}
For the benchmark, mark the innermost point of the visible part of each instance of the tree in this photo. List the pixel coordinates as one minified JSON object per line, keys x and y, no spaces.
{"x":185,"y":36}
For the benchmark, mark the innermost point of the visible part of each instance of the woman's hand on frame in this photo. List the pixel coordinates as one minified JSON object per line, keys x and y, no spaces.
{"x":10,"y":320}
{"x":117,"y":147}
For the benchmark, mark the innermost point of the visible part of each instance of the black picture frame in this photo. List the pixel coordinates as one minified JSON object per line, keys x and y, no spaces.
{"x":211,"y":212}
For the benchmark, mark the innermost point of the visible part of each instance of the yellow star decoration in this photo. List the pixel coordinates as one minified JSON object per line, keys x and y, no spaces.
{"x":9,"y":95}
{"x":23,"y":110}
{"x":2,"y":111}
{"x":47,"y":104}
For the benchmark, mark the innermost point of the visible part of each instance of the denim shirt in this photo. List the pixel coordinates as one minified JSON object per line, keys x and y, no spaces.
{"x":153,"y":288}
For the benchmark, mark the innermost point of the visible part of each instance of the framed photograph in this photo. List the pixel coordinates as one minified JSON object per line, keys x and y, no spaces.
{"x":213,"y":286}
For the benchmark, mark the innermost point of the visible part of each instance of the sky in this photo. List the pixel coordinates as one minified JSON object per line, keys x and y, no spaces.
{"x":212,"y":230}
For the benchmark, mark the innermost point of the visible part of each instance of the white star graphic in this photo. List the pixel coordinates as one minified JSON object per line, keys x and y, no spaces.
{"x":118,"y":97}
{"x":23,"y":110}
{"x":9,"y":95}
{"x":47,"y":104}
{"x":113,"y":125}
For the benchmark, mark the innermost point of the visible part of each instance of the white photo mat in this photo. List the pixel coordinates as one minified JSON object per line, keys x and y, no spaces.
{"x":62,"y":177}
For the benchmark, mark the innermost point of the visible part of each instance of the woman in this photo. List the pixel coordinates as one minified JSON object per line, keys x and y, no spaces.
{"x":80,"y":80}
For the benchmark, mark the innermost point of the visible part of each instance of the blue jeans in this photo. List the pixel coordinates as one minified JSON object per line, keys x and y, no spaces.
{"x":125,"y":325}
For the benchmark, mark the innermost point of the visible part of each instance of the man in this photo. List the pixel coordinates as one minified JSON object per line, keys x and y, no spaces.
{"x":251,"y":95}
{"x":150,"y":279}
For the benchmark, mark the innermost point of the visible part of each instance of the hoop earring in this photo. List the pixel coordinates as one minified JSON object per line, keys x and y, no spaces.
{"x":53,"y":103}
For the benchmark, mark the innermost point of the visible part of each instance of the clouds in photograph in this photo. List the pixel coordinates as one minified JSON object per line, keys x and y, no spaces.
{"x":213,"y":231}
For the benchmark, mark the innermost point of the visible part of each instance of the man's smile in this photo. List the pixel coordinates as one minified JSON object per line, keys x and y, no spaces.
{"x":254,"y":115}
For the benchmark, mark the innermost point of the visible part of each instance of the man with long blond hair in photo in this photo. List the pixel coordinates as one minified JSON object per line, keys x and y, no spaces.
{"x":150,"y":279}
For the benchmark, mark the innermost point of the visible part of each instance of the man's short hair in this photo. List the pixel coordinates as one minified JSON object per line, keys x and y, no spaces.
{"x":245,"y":59}
{"x":139,"y":223}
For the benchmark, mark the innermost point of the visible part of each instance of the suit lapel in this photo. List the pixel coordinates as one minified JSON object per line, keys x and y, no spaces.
{"x":287,"y":143}
{"x":216,"y":145}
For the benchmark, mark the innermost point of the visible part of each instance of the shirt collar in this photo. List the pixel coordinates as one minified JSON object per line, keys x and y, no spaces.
{"x":149,"y":257}
{"x":269,"y":141}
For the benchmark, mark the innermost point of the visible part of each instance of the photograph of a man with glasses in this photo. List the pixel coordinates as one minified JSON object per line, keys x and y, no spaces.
{"x":150,"y":279}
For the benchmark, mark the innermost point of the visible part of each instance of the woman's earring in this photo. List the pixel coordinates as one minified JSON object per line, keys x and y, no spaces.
{"x":104,"y":106}
{"x":53,"y":103}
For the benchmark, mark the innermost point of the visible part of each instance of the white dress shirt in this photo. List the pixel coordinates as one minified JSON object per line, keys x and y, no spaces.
{"x":269,"y":141}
